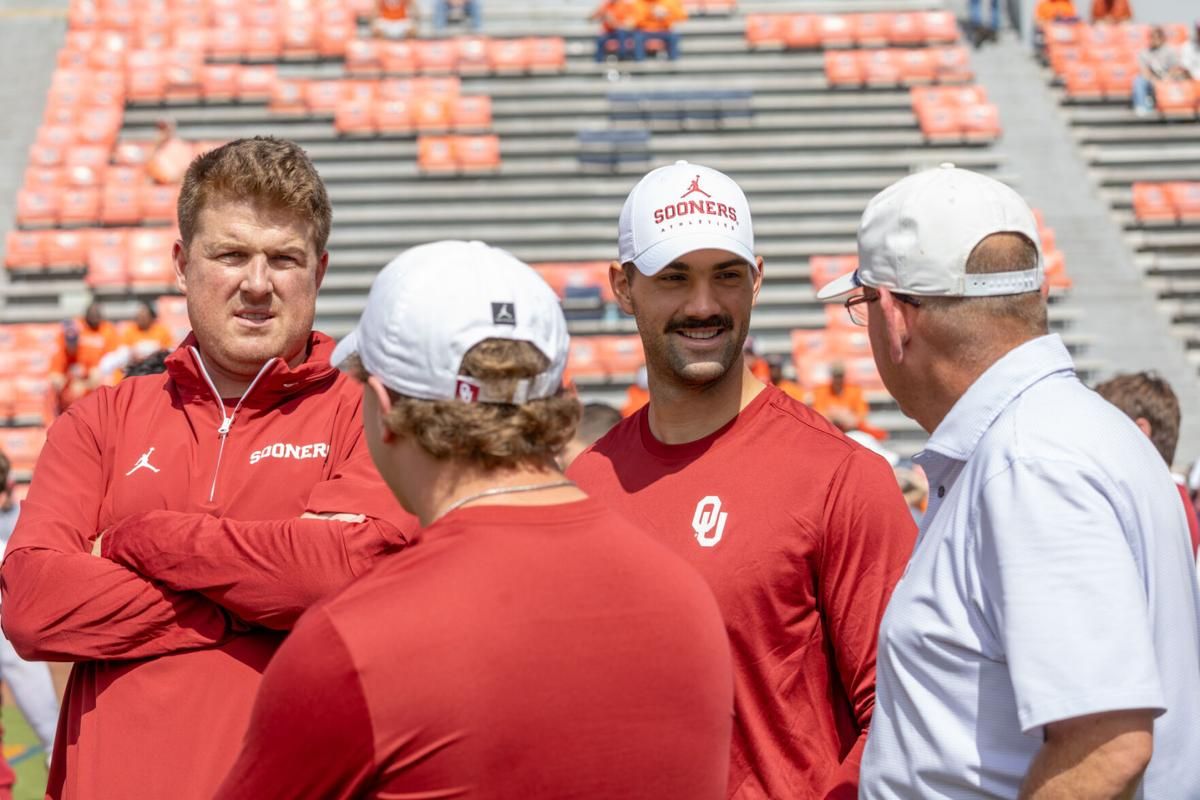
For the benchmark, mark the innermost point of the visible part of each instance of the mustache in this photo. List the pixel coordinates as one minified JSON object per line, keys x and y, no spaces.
{"x":723,"y":321}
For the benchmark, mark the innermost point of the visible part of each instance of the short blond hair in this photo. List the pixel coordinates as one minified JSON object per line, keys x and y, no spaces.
{"x":262,"y":170}
{"x":493,"y":436}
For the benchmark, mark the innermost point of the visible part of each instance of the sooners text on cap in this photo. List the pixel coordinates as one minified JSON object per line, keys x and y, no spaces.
{"x":685,"y":207}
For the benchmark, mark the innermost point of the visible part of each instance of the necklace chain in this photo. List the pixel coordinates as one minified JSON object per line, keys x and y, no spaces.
{"x":531,"y":487}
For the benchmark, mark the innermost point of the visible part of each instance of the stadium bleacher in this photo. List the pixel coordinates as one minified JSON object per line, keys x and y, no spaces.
{"x":480,"y":137}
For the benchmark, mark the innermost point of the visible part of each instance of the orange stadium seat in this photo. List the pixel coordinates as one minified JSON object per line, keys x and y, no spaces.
{"x":108,"y":88}
{"x":1177,"y":33}
{"x":120,"y":205}
{"x":622,"y":355}
{"x":437,"y":57}
{"x":172,"y":311}
{"x":393,"y":115}
{"x":1061,"y":57}
{"x":940,"y":123}
{"x":106,"y":266}
{"x":287,"y":97}
{"x":151,"y":269}
{"x":800,"y":32}
{"x":1056,"y":270}
{"x":871,"y":30}
{"x":508,"y":55}
{"x":133,"y":152}
{"x":46,"y":155}
{"x":953,"y":65}
{"x":145,"y":59}
{"x":980,"y":122}
{"x":843,"y":69}
{"x":263,"y":43}
{"x":917,"y":66}
{"x":322,"y":97}
{"x":158,"y":202}
{"x":880,"y":67}
{"x":60,"y":115}
{"x":472,"y":55}
{"x":100,"y":125}
{"x":226,"y":42}
{"x":44,"y":177}
{"x":8,"y":394}
{"x":300,"y":38}
{"x":431,"y":113}
{"x":436,"y":154}
{"x":398,"y":58}
{"x":1082,"y":81}
{"x":262,"y":16}
{"x":584,"y":359}
{"x":359,"y":90}
{"x":354,"y":117}
{"x":333,"y":37}
{"x":66,"y":248}
{"x":56,"y":135}
{"x":256,"y":82}
{"x":38,"y":207}
{"x":477,"y":153}
{"x":765,"y":30}
{"x":938,"y":27}
{"x":446,"y":88}
{"x":836,"y":30}
{"x":546,"y":53}
{"x":32,"y":400}
{"x":1185,"y":197}
{"x":146,"y":85}
{"x":905,"y":29}
{"x":1175,"y":98}
{"x":1116,"y":80}
{"x":25,"y":250}
{"x":823,"y":269}
{"x":471,"y":113}
{"x":363,"y":57}
{"x":219,"y":82}
{"x":1151,"y":203}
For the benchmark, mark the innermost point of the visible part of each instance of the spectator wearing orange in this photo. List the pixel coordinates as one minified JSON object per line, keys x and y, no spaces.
{"x":395,"y":19}
{"x":140,"y":338}
{"x":1111,"y":11}
{"x":782,"y":382}
{"x":658,"y":22}
{"x":839,"y":399}
{"x":1159,"y":62}
{"x":82,"y":344}
{"x":1055,"y":11}
{"x":620,"y":22}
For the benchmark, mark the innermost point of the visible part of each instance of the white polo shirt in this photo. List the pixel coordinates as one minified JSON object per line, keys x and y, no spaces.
{"x":1051,"y":579}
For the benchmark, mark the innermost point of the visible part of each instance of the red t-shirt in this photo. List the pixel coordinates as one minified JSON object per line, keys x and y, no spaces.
{"x":510,"y":652}
{"x":1193,"y":524}
{"x":801,"y":534}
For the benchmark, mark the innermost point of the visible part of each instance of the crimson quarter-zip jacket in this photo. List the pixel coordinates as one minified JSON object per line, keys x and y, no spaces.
{"x":205,"y":561}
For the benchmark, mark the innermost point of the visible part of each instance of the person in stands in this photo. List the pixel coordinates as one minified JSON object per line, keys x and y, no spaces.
{"x":1111,"y":11}
{"x":179,"y":524}
{"x":447,"y":11}
{"x":171,"y":155}
{"x":1055,"y":11}
{"x":780,"y":380}
{"x":1189,"y":54}
{"x":659,"y":18}
{"x":983,"y":31}
{"x":538,"y":644}
{"x":1148,"y":400}
{"x":395,"y":19}
{"x":139,"y":338}
{"x":1159,"y":62}
{"x":620,"y":22}
{"x":82,"y":345}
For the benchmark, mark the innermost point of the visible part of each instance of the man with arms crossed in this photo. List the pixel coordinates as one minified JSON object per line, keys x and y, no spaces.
{"x":161,"y":547}
{"x":530,"y":643}
{"x":1045,"y":635}
{"x":799,"y":532}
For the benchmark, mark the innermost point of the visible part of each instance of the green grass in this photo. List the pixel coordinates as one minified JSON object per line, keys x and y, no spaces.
{"x":24,"y":753}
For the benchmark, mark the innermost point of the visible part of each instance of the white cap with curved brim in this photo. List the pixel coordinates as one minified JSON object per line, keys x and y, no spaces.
{"x":679,"y":209}
{"x":917,"y":234}
{"x":434,"y":302}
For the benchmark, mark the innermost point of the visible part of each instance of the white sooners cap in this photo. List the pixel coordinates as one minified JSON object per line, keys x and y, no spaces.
{"x":916,"y":235}
{"x":434,"y":302}
{"x":679,"y":209}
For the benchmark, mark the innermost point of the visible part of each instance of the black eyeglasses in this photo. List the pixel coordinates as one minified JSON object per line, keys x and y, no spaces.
{"x":856,"y":306}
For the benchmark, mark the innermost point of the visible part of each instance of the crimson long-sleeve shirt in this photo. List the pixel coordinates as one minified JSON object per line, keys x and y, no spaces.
{"x":801,"y":534}
{"x":205,"y":561}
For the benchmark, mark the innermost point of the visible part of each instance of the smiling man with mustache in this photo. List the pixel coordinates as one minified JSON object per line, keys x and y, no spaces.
{"x":800,"y":533}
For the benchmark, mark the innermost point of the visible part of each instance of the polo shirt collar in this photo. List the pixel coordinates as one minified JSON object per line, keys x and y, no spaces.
{"x":993,"y":391}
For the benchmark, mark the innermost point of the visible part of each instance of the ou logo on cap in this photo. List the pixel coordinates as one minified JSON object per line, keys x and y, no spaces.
{"x":709,"y":521}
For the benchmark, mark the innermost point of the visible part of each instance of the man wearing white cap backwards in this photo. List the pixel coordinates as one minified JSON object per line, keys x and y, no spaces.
{"x":530,"y":643}
{"x":1045,"y":633}
{"x":800,"y":532}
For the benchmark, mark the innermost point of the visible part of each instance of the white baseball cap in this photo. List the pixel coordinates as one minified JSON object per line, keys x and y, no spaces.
{"x":434,"y":302}
{"x":916,"y":235}
{"x":679,"y":209}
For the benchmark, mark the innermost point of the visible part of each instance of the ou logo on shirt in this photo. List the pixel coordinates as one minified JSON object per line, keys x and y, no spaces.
{"x":709,"y":521}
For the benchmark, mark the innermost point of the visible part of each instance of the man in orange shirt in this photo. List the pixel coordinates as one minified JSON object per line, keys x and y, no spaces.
{"x":139,"y":339}
{"x":840,"y":402}
{"x":620,"y":22}
{"x":395,"y":19}
{"x":82,"y":343}
{"x":783,"y":384}
{"x":658,"y":21}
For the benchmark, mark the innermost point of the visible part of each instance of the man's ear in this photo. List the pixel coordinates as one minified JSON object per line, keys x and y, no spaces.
{"x":619,"y":282}
{"x":757,"y":276}
{"x":179,"y":261}
{"x":1144,"y":426}
{"x":384,"y":400}
{"x":895,"y":324}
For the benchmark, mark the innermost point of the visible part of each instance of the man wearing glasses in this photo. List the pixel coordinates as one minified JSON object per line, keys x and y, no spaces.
{"x":800,"y":532}
{"x":1045,"y":636}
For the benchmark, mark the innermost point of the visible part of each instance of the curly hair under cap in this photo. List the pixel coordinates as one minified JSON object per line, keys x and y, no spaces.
{"x":494,"y":436}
